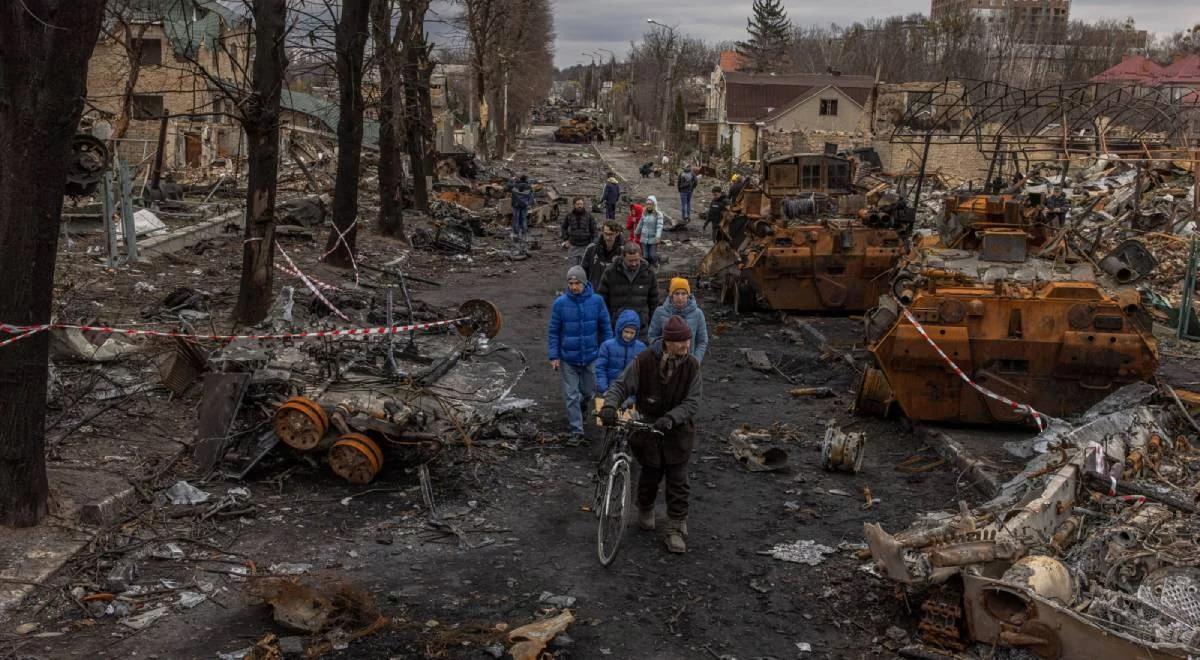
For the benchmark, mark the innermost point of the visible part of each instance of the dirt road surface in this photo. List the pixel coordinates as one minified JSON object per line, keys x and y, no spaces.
{"x":521,"y":508}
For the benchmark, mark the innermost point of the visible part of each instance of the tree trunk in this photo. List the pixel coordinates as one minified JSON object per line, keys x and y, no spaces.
{"x":391,"y":112}
{"x":425,"y":108}
{"x":43,"y":74}
{"x":416,"y":84}
{"x":349,"y":42}
{"x":261,"y":124}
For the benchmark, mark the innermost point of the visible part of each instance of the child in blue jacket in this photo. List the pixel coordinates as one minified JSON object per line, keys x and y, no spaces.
{"x":619,"y":351}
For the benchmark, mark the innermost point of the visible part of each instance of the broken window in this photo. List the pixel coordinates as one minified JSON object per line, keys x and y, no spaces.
{"x":829,"y":107}
{"x":147,"y":106}
{"x":149,"y":51}
{"x":839,"y":175}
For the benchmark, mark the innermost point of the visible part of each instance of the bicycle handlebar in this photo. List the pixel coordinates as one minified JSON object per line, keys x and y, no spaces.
{"x":632,"y":425}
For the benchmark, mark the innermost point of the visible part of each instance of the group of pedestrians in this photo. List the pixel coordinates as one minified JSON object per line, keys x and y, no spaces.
{"x":595,"y":342}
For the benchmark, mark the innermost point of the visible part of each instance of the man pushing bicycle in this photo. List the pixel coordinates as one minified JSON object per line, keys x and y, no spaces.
{"x":666,"y":380}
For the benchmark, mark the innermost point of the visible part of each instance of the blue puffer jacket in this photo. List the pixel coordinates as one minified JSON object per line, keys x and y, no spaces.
{"x":691,"y":313}
{"x":616,"y":352}
{"x":578,"y":325}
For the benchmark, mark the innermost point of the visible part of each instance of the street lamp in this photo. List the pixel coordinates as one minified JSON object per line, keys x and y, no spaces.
{"x":662,"y":143}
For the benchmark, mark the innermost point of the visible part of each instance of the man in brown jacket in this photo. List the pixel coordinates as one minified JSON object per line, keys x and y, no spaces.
{"x":666,"y":380}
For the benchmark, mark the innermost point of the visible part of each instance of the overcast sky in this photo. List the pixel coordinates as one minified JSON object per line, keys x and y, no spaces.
{"x":586,"y":25}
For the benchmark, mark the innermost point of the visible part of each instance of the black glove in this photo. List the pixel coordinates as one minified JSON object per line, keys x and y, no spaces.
{"x":608,"y":416}
{"x":663,"y":424}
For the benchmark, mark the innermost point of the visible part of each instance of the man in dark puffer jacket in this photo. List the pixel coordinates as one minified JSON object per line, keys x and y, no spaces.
{"x":578,"y":231}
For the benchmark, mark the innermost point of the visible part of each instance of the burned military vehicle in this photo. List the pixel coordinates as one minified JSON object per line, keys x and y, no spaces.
{"x":801,"y":239}
{"x":999,"y":303}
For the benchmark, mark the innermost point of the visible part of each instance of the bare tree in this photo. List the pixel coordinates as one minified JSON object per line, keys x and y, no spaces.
{"x":387,"y":34}
{"x":350,"y":42}
{"x":418,"y":109}
{"x":260,"y":120}
{"x":43,"y":71}
{"x":120,"y":27}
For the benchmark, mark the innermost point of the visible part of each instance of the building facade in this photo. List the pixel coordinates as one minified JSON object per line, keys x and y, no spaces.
{"x":1030,"y":21}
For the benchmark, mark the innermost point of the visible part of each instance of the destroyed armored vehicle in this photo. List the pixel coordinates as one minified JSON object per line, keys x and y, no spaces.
{"x":976,"y":331}
{"x":804,"y":241}
{"x":579,"y":130}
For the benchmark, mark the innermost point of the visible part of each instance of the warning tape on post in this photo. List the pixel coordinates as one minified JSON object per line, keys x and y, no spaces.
{"x":1019,"y":407}
{"x":26,"y":331}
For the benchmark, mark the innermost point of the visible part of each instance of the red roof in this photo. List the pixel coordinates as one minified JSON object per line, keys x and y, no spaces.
{"x":1184,"y":70}
{"x":731,"y":60}
{"x":1134,"y":68}
{"x":754,"y":96}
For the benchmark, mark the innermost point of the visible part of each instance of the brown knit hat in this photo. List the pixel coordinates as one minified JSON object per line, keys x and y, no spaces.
{"x":676,"y":329}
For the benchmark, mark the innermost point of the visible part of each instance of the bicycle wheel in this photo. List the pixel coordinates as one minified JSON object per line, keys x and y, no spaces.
{"x":600,"y":476}
{"x":612,"y":523}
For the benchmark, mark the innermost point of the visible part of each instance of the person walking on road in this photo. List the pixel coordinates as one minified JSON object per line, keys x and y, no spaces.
{"x":618,"y":352}
{"x":716,"y":208}
{"x":630,"y":284}
{"x":578,"y":326}
{"x":682,"y":303}
{"x":522,"y":200}
{"x":633,"y":220}
{"x":686,"y":185}
{"x":650,"y":229}
{"x":666,"y":381}
{"x":603,"y":252}
{"x":611,"y":195}
{"x":578,"y":231}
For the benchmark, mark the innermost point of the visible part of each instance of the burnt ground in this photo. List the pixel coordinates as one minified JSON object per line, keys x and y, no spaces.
{"x":520,"y":503}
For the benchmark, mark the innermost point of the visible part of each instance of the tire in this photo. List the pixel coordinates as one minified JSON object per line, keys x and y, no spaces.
{"x":611,"y":526}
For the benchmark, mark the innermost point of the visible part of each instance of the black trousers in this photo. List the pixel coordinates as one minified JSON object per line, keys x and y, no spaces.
{"x":677,"y":488}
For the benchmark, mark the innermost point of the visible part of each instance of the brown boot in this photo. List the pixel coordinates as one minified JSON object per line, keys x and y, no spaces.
{"x":646,"y":519}
{"x":674,"y":538}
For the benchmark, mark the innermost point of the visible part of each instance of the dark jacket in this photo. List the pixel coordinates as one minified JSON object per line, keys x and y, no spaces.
{"x":616,"y":353}
{"x":687,"y":182}
{"x":678,"y":397}
{"x":598,"y":256}
{"x":578,"y":325}
{"x":637,"y":291}
{"x":579,"y":227}
{"x":612,"y":192}
{"x":522,"y":196}
{"x":716,"y":207}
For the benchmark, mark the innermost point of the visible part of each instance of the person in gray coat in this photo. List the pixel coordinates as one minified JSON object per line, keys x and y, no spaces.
{"x":681,"y":303}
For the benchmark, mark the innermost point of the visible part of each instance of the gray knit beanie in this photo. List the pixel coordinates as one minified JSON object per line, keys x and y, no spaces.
{"x":577,"y":273}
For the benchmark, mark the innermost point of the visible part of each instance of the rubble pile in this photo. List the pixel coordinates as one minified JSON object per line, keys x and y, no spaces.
{"x":1090,"y":551}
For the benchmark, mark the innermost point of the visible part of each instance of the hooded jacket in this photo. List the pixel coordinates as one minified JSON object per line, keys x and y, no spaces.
{"x":578,"y":325}
{"x":691,"y":313}
{"x":616,"y":353}
{"x":650,"y":230}
{"x":612,"y":191}
{"x":632,"y":220}
{"x":579,"y":227}
{"x":623,"y":290}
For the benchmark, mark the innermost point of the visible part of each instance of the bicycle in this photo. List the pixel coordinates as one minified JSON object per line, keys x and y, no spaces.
{"x":611,"y":499}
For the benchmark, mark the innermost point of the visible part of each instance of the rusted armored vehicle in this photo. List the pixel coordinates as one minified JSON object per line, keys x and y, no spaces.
{"x":579,"y":130}
{"x":831,"y":254}
{"x":1037,"y":331}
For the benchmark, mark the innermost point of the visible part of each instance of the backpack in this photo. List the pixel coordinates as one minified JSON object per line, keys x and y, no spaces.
{"x":687,"y":181}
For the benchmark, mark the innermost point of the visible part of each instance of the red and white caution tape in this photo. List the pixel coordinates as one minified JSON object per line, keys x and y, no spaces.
{"x":23,"y":331}
{"x":311,"y":286}
{"x":1019,"y":407}
{"x":295,"y":273}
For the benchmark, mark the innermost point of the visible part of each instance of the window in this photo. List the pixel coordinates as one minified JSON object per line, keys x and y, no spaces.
{"x":829,"y":107}
{"x":919,"y":102}
{"x":147,"y":106}
{"x":810,"y":176}
{"x":149,"y":51}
